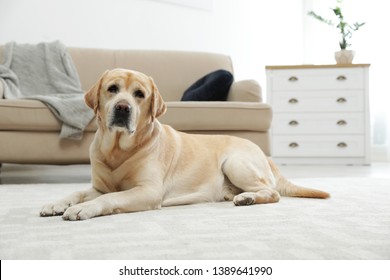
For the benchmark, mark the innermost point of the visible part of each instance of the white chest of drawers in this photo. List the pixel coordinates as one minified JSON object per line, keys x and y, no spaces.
{"x":320,"y":114}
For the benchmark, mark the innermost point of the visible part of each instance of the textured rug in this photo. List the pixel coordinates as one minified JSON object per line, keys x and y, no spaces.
{"x":353,"y":224}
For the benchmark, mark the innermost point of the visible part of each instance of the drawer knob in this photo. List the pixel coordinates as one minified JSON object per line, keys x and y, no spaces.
{"x":293,"y":123}
{"x":342,"y":145}
{"x":341,"y":78}
{"x":293,"y":145}
{"x":341,"y":100}
{"x":293,"y":101}
{"x":293,"y":79}
{"x":341,"y":122}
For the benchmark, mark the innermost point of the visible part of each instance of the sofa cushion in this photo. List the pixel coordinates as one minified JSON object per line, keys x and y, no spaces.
{"x":32,"y":115}
{"x":218,"y":116}
{"x":29,"y":115}
{"x":211,"y":87}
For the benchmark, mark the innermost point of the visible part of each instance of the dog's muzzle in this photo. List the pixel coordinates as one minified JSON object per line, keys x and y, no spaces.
{"x":121,"y":116}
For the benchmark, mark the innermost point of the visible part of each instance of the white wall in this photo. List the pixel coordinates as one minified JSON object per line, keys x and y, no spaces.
{"x":253,"y":32}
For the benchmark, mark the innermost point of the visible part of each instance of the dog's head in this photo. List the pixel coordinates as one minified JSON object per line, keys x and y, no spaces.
{"x":124,"y":100}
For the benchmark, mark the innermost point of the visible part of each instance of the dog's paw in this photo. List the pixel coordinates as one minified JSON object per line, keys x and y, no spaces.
{"x":54,"y":209}
{"x":82,"y":211}
{"x":243,"y":199}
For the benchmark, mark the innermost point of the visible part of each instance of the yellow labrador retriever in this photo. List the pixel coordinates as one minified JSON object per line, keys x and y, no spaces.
{"x":139,"y":164}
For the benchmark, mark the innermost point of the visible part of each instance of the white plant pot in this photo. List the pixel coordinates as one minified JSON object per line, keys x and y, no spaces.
{"x":344,"y":56}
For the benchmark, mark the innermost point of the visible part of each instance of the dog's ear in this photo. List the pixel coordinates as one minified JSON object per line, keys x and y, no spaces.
{"x":157,"y":104}
{"x":91,"y":97}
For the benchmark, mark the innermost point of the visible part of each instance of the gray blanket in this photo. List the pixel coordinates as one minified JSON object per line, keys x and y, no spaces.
{"x":46,"y":72}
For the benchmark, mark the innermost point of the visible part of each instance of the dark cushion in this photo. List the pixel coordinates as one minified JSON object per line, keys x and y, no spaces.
{"x":212,"y":87}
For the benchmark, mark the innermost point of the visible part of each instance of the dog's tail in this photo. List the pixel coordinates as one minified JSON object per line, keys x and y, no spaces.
{"x":286,"y":188}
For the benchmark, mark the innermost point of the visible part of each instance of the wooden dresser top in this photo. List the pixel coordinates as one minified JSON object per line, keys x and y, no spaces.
{"x":313,"y":66}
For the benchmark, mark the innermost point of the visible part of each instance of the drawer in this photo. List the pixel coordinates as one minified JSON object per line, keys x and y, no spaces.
{"x":318,"y":123}
{"x":319,"y":79}
{"x":318,"y":146}
{"x":318,"y":101}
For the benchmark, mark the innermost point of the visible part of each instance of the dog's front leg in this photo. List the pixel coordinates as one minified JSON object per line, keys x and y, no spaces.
{"x":59,"y":207}
{"x":133,"y":200}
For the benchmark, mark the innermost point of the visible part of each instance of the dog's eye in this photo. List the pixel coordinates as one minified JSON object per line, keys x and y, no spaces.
{"x":113,"y":89}
{"x":139,"y":94}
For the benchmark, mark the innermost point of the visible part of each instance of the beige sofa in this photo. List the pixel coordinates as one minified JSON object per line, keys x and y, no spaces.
{"x":29,"y":133}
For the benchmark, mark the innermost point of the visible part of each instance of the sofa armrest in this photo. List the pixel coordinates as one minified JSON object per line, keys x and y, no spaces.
{"x":245,"y":91}
{"x":1,"y":90}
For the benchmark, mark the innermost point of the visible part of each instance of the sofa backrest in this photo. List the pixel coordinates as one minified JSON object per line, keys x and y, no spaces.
{"x":173,"y":71}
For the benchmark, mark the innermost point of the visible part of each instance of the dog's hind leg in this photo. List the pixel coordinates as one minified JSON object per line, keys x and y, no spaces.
{"x":262,"y":196}
{"x":256,"y":182}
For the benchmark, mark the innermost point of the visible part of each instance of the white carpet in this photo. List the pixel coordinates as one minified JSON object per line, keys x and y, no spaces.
{"x":353,"y":224}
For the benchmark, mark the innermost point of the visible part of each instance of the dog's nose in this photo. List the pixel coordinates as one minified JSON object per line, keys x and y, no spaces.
{"x":122,"y":107}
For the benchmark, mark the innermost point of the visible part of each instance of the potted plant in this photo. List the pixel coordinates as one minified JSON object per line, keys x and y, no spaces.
{"x":343,"y":56}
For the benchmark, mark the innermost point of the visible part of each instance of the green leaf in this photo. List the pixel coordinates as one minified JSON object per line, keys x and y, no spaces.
{"x":337,"y":12}
{"x":320,"y":18}
{"x":344,"y":28}
{"x":357,"y":25}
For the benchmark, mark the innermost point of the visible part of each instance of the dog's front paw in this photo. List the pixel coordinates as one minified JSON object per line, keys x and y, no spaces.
{"x":82,"y":211}
{"x":54,"y":209}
